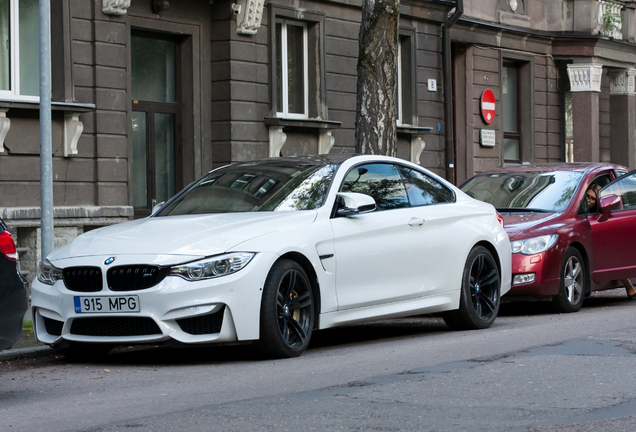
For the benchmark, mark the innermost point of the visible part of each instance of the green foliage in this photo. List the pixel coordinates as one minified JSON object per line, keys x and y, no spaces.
{"x":610,"y":22}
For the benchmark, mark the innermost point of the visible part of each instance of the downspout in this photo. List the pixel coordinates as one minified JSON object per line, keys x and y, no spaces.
{"x":449,"y":141}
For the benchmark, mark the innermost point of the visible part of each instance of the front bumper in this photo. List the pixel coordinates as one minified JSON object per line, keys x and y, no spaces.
{"x":225,"y":309}
{"x":546,"y":268}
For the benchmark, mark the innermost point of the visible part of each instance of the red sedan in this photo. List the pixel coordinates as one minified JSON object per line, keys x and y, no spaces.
{"x":564,"y":245}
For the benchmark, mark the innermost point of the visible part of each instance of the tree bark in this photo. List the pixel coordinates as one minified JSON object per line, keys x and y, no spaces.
{"x":376,"y":116}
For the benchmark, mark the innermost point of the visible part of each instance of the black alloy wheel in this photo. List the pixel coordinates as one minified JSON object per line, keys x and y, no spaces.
{"x":480,"y":293}
{"x":287,"y":311}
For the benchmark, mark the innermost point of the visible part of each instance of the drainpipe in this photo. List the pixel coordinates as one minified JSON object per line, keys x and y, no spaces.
{"x":449,"y":142}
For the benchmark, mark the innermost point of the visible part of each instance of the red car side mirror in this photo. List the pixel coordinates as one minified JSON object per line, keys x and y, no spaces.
{"x":608,"y":204}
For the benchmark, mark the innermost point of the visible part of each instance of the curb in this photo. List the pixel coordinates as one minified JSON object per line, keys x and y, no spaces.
{"x":26,"y":353}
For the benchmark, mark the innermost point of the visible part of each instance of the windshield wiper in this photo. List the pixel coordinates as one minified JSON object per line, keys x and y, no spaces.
{"x":522,"y":210}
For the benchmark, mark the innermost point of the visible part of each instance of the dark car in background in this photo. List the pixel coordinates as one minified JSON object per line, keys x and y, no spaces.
{"x":13,"y":291}
{"x":562,"y":250}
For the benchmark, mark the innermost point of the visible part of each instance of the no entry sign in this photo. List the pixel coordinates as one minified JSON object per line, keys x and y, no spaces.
{"x":488,"y":106}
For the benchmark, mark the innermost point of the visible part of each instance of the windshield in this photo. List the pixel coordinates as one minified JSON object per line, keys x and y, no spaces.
{"x":546,"y":191}
{"x":255,"y":187}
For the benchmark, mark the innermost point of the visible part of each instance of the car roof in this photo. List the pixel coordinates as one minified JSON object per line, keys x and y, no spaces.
{"x":315,"y":160}
{"x":557,"y":166}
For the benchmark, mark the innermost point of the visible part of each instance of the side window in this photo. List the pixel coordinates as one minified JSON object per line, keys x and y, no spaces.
{"x":590,"y":200}
{"x":380,"y":181}
{"x":625,"y":188}
{"x":620,"y":172}
{"x":424,"y":190}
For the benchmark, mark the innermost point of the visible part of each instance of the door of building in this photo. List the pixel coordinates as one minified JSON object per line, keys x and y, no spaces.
{"x":156,"y":120}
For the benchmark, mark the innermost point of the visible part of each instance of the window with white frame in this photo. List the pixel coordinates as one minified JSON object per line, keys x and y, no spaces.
{"x":291,"y":69}
{"x":19,"y":49}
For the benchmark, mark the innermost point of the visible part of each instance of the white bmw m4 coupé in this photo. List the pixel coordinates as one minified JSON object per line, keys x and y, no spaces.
{"x":269,"y":251}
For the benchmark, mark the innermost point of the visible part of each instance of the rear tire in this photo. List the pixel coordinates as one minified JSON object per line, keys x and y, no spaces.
{"x":287,"y":312}
{"x":480,"y":293}
{"x":573,"y":283}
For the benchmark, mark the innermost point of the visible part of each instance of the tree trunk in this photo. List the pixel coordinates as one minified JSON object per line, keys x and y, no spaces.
{"x":376,"y":116}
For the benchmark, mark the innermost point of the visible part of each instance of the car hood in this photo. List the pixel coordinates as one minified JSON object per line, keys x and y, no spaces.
{"x":516,"y":224}
{"x":190,"y":235}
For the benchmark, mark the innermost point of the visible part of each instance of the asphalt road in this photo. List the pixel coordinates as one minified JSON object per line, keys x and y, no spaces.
{"x":532,"y":371}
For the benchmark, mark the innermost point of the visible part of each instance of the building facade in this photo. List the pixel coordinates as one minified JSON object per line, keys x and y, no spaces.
{"x":562,"y":72}
{"x":148,"y":95}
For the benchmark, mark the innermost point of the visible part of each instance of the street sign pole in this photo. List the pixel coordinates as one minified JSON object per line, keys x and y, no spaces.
{"x":46,"y":147}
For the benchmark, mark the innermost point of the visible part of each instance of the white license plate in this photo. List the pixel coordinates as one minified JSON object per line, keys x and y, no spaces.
{"x":106,"y":304}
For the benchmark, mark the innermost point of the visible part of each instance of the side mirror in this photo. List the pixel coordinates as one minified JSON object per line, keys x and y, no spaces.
{"x":157,"y":207}
{"x":351,"y":204}
{"x":608,"y":204}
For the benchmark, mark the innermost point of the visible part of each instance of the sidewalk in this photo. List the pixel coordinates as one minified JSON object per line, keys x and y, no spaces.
{"x":30,"y":352}
{"x":26,"y":346}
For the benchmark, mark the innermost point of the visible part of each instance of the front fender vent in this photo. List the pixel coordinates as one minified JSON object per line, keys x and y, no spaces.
{"x":203,"y":324}
{"x":53,"y":327}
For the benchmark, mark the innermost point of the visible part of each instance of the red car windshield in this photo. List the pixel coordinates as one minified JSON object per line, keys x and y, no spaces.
{"x":548,"y":191}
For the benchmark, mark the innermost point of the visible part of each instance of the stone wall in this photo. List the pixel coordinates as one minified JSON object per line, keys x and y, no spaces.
{"x":486,"y":74}
{"x":430,"y":104}
{"x":605,"y":132}
{"x":241,"y":68}
{"x":240,"y":89}
{"x":548,"y":111}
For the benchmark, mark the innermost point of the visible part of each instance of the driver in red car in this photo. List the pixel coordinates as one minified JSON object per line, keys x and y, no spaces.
{"x":591,"y":196}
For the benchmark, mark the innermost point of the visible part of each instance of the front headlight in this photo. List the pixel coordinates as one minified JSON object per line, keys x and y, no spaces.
{"x":48,"y":273}
{"x":534,"y":245}
{"x":213,"y":267}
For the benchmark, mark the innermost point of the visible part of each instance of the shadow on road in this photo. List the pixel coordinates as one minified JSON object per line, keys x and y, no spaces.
{"x":380,"y":331}
{"x":375,"y":332}
{"x":600,"y":299}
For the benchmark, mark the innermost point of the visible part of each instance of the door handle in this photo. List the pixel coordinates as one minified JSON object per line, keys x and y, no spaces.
{"x":416,"y":222}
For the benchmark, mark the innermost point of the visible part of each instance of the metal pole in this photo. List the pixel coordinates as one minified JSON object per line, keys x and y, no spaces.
{"x":46,"y":150}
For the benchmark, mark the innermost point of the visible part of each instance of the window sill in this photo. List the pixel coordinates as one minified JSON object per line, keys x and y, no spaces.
{"x":55,"y":106}
{"x":302,"y":123}
{"x":278,"y":125}
{"x":414,"y":130}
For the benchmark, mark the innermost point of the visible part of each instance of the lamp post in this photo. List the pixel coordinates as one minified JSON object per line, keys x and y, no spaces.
{"x":46,"y":150}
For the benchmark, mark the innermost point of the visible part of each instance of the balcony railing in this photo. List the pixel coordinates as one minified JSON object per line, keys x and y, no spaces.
{"x":610,"y":22}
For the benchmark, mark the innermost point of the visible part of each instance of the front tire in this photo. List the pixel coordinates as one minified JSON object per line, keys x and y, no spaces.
{"x":480,"y":293}
{"x":573,"y":283}
{"x":287,"y":311}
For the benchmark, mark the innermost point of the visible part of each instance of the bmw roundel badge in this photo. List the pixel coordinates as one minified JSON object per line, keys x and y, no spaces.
{"x":109,"y":260}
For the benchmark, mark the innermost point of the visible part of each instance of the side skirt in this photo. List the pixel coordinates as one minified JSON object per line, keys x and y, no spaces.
{"x":424,"y":305}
